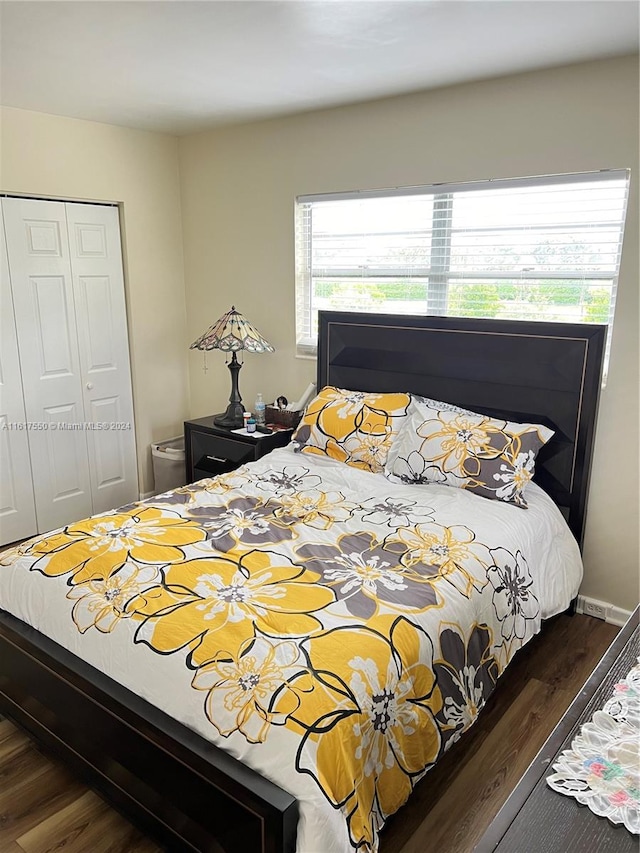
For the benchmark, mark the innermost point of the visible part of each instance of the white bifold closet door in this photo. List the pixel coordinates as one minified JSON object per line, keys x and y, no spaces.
{"x":65,"y":267}
{"x":17,"y":507}
{"x":103,"y":345}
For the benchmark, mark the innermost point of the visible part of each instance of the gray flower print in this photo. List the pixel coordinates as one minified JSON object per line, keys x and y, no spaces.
{"x":513,"y":599}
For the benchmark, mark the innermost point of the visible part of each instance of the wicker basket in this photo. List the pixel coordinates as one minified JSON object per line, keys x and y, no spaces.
{"x":283,"y":417}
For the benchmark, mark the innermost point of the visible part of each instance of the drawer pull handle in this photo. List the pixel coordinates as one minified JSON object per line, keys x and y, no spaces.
{"x":217,"y":459}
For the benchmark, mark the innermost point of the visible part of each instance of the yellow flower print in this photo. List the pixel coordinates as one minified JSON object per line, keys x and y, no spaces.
{"x":345,"y":412}
{"x":94,"y":547}
{"x":351,"y":426}
{"x":251,"y":691}
{"x":11,"y":554}
{"x":376,"y":733}
{"x":370,"y":449}
{"x":100,"y":602}
{"x":214,"y":603}
{"x":453,"y":551}
{"x":205,"y":492}
{"x":222,"y":484}
{"x":337,"y":413}
{"x":346,"y":404}
{"x":331,"y":449}
{"x":452,"y":439}
{"x":313,"y":508}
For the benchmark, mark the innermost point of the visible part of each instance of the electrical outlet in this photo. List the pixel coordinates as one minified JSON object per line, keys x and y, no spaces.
{"x":591,"y":608}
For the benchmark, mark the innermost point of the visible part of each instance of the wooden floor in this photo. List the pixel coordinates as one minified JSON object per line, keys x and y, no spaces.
{"x":43,"y":809}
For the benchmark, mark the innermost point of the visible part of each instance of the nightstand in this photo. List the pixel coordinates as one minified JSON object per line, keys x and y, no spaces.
{"x":211,"y":450}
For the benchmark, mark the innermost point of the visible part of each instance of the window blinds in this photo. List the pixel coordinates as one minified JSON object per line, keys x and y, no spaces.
{"x":542,"y":248}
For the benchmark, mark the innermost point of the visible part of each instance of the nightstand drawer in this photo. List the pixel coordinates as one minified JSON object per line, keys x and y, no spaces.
{"x":219,"y":455}
{"x":205,"y":467}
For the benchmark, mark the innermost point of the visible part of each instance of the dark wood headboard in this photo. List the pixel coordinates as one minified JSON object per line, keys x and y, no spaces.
{"x":548,"y":373}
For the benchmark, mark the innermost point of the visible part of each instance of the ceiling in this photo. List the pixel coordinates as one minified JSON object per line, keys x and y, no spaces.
{"x":184,"y":66}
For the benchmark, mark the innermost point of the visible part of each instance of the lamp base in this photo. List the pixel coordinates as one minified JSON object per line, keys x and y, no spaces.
{"x":230,"y":419}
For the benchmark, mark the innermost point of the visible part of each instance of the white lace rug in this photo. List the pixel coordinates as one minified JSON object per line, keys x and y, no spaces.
{"x":602,"y":767}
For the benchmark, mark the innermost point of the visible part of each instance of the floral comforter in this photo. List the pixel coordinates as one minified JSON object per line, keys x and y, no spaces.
{"x":333,"y":630}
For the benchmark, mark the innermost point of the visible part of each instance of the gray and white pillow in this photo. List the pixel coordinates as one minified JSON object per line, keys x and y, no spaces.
{"x":442,"y":443}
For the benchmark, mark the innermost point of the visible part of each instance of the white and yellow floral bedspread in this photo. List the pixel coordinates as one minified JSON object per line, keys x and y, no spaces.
{"x":333,"y":630}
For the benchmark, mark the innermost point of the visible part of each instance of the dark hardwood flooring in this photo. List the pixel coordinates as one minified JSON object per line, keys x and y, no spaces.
{"x":43,"y":809}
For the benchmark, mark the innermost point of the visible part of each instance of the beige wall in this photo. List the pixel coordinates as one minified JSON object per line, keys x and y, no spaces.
{"x":82,"y":160}
{"x":238,"y":190}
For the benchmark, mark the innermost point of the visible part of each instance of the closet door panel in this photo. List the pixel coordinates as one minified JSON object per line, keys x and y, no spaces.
{"x":42,"y":290}
{"x":17,"y":507}
{"x":98,"y":282}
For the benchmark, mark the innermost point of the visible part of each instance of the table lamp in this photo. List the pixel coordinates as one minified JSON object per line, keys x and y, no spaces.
{"x":231,"y":333}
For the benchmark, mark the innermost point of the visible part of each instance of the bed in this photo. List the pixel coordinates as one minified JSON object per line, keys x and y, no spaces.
{"x":317,"y":716}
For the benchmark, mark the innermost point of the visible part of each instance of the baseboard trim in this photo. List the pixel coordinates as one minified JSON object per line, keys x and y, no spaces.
{"x":602,"y":610}
{"x":145,"y":495}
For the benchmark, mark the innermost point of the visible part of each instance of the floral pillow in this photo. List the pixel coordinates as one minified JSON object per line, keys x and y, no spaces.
{"x":352,"y":426}
{"x":441,"y":443}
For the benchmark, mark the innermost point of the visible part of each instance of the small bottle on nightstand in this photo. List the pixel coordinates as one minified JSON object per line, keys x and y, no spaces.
{"x":259,"y":410}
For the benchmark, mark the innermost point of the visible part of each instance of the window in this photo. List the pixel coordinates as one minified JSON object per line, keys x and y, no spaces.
{"x":538,"y":248}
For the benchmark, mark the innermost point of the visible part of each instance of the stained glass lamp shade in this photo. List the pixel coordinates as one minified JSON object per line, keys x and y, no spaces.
{"x":232,"y":332}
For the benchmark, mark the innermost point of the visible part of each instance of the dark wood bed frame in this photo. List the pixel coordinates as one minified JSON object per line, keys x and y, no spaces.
{"x":178,"y":787}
